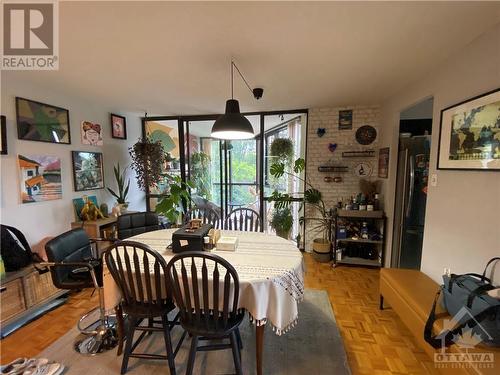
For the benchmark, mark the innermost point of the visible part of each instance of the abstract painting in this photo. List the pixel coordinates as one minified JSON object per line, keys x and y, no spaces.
{"x":88,"y":173}
{"x":39,"y":178}
{"x":42,"y":122}
{"x":91,"y":133}
{"x":469,"y":137}
{"x":118,"y":126}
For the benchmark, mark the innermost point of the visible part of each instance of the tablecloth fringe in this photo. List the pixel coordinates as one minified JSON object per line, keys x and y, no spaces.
{"x":278,"y":331}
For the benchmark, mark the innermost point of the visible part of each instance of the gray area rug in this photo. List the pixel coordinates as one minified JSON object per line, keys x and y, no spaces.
{"x":313,"y":346}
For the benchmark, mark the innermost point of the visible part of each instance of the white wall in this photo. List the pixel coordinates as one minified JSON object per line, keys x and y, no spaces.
{"x":462,"y":228}
{"x":50,"y":218}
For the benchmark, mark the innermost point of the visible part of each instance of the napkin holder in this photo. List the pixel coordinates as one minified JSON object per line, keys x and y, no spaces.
{"x":189,"y":239}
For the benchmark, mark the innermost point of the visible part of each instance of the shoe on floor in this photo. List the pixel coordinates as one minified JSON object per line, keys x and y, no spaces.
{"x":45,"y":369}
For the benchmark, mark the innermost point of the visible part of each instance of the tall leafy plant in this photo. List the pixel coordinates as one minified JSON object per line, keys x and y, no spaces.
{"x":121,"y":195}
{"x":173,"y":206}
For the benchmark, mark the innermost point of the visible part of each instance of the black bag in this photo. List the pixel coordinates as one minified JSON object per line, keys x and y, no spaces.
{"x":466,"y":300}
{"x":15,"y":255}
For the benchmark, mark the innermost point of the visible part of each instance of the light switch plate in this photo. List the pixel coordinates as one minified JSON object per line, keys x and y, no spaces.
{"x":434,"y":180}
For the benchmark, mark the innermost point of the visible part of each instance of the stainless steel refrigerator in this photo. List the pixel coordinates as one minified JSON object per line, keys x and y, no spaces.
{"x":410,"y":200}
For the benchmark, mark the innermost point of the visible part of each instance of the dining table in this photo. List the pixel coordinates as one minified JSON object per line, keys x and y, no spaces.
{"x":271,"y":276}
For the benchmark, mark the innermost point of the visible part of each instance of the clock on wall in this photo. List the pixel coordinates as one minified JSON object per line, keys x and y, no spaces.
{"x":366,"y":134}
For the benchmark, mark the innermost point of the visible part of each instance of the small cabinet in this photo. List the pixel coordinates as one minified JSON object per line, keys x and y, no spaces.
{"x":12,"y":299}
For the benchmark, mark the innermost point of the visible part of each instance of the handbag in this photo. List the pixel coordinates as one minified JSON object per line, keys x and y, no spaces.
{"x":466,"y":299}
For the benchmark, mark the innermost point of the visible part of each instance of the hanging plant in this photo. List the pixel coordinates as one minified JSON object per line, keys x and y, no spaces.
{"x":282,"y":149}
{"x":148,"y":159}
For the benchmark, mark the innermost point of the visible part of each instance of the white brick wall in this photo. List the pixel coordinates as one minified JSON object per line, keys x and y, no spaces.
{"x":318,"y":154}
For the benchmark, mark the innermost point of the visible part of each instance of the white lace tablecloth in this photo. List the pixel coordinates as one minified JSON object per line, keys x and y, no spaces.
{"x":270,"y":270}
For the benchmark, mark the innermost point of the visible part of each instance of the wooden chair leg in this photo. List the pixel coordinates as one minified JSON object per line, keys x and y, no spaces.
{"x":381,"y":305}
{"x":192,"y":355}
{"x":236,"y":352}
{"x":128,"y":345}
{"x":120,"y":327}
{"x":168,"y":344}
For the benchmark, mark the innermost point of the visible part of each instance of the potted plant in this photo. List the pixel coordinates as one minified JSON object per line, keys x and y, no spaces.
{"x":282,"y":222}
{"x":321,"y":222}
{"x":121,"y":195}
{"x":148,"y":160}
{"x":282,"y":149}
{"x":173,"y":206}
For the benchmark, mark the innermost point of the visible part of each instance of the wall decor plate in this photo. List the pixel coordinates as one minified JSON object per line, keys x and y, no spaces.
{"x":42,"y":122}
{"x":363,"y":169}
{"x":366,"y":135}
{"x":469,"y":136}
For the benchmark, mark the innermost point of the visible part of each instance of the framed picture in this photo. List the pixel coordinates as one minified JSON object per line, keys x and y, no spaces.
{"x":345,"y":119}
{"x":42,"y":122}
{"x":469,"y":136}
{"x":40,"y":178}
{"x":3,"y":135}
{"x":88,"y":173}
{"x":118,"y":126}
{"x":78,"y":205}
{"x":91,"y":133}
{"x":383,"y":162}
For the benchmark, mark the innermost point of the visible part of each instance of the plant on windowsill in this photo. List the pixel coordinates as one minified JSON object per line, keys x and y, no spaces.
{"x":282,"y":222}
{"x":123,"y":186}
{"x":312,"y":197}
{"x":173,"y":206}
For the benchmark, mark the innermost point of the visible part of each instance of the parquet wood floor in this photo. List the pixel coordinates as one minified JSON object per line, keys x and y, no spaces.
{"x":376,"y":342}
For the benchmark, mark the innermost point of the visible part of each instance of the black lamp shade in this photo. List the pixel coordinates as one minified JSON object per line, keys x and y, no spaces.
{"x":232,"y":125}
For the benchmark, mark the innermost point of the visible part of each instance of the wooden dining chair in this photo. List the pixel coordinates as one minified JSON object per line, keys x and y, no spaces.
{"x":140,"y":273}
{"x":206,"y":291}
{"x":244,"y":219}
{"x":207,"y":215}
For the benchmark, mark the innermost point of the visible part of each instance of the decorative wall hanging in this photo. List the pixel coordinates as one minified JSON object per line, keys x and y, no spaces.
{"x":363,"y":169}
{"x":88,"y":173}
{"x":320,"y":132}
{"x":383,"y":162}
{"x":345,"y":119}
{"x":42,"y":122}
{"x":358,"y":154}
{"x":91,"y":133}
{"x":118,"y":126}
{"x":3,"y":135}
{"x":366,"y":134}
{"x":40,"y":178}
{"x":332,"y":147}
{"x":469,"y":136}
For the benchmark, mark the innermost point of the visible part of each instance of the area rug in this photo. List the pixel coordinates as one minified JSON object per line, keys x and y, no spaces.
{"x":313,"y":346}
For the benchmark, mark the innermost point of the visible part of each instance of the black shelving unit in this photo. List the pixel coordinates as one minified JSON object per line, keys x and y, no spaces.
{"x":376,"y":219}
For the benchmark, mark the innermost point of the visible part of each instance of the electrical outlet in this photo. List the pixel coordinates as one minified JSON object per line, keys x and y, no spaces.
{"x":434,"y":180}
{"x":447,"y":271}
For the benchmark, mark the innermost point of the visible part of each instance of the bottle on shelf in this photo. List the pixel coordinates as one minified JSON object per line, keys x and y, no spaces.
{"x":364,"y":231}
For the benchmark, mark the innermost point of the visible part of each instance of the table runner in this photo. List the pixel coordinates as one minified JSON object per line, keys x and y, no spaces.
{"x":270,"y":270}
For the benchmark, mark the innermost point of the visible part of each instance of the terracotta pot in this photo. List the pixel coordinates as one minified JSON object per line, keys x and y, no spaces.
{"x":322,"y":250}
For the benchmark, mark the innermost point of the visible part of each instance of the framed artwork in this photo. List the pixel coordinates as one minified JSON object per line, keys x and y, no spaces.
{"x":42,"y":122}
{"x":469,"y":135}
{"x":3,"y":135}
{"x":78,"y":205}
{"x":88,"y":172}
{"x":91,"y":133}
{"x":383,"y":162}
{"x":118,"y":126}
{"x":39,"y":177}
{"x":345,"y":119}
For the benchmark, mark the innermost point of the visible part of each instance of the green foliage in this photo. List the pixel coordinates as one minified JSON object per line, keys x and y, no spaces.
{"x":282,"y":220}
{"x":200,"y":174}
{"x":121,"y":196}
{"x":148,"y":158}
{"x":282,"y":148}
{"x":174,"y":205}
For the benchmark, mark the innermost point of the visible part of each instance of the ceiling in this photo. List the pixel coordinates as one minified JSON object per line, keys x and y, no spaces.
{"x":174,"y":58}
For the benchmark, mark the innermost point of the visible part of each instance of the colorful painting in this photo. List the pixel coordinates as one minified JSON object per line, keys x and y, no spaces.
{"x":42,"y":122}
{"x":3,"y":135}
{"x":383,"y":162}
{"x":118,"y":127}
{"x":167,"y":132}
{"x":470,"y":134}
{"x":40,"y":178}
{"x":91,"y":133}
{"x":78,"y":205}
{"x":88,"y":173}
{"x":345,"y":119}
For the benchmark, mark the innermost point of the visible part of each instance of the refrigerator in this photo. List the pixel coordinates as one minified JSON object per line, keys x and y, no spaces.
{"x":410,"y":201}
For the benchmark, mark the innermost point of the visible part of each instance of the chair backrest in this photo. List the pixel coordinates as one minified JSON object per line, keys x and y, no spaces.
{"x":244,"y":219}
{"x":140,"y":273}
{"x":207,"y":214}
{"x":136,"y":223}
{"x":204,"y":286}
{"x":71,"y":246}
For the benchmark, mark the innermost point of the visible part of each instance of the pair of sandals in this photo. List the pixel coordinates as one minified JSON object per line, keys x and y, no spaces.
{"x":33,"y":366}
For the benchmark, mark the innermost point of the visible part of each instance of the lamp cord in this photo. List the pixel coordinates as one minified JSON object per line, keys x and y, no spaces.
{"x":233,"y":64}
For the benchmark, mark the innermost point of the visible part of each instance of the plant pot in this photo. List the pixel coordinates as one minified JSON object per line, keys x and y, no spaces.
{"x":322,"y":250}
{"x":283,"y":234}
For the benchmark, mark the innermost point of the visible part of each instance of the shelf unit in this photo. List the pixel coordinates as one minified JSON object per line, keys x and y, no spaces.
{"x":332,"y":168}
{"x":377,"y":219}
{"x":358,"y":154}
